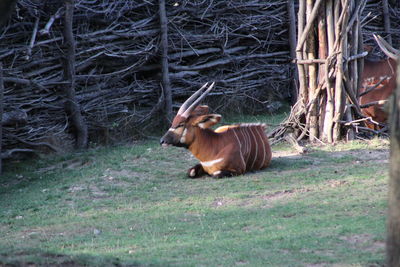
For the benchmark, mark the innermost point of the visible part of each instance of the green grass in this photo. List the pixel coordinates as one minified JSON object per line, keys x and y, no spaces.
{"x":133,"y":205}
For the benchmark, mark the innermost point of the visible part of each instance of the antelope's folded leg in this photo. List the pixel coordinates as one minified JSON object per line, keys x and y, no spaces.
{"x":196,"y":171}
{"x":222,"y":174}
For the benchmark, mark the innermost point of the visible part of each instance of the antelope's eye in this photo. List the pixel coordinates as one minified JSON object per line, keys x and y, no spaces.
{"x":179,"y":126}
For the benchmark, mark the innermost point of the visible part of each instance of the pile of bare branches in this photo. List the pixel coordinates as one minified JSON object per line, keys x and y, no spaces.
{"x":374,"y":23}
{"x":329,"y":52}
{"x":243,"y":45}
{"x":240,"y":44}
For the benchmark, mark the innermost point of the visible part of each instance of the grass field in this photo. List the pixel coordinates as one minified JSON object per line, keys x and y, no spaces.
{"x":133,"y":205}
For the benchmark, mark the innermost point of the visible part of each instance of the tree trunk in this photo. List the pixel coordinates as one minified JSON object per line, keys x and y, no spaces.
{"x":166,"y":85}
{"x":393,"y":224}
{"x":71,"y":105}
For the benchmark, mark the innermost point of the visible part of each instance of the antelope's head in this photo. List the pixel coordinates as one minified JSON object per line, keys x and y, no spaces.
{"x":190,"y":117}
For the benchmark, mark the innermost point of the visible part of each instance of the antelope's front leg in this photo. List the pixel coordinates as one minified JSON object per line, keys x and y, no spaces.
{"x":196,"y":171}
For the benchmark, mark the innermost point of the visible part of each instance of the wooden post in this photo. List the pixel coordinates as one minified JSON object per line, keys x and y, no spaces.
{"x":393,"y":222}
{"x":312,"y":121}
{"x":72,"y":105}
{"x":330,"y":107}
{"x":166,"y":85}
{"x":292,"y":43}
{"x":303,"y":94}
{"x":1,"y":114}
{"x":386,"y":21}
{"x":342,"y":12}
{"x":322,"y":54}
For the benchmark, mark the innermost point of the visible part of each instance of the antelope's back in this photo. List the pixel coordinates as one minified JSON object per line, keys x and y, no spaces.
{"x":255,"y":150}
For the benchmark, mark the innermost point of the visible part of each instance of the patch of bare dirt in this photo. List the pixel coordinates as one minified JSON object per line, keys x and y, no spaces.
{"x":241,"y":262}
{"x":266,"y":201}
{"x":248,"y":201}
{"x":329,"y":253}
{"x":76,"y":188}
{"x":278,"y":195}
{"x":218,"y":202}
{"x":336,"y":183}
{"x":96,"y":192}
{"x":280,"y":154}
{"x":191,"y":217}
{"x":376,"y":246}
{"x":284,"y":194}
{"x":54,"y":231}
{"x":68,"y":164}
{"x":93,"y":191}
{"x":115,"y":176}
{"x":364,"y":241}
{"x":252,"y":228}
{"x":357,"y":239}
{"x":380,"y":155}
{"x":96,"y":188}
{"x":121,"y":173}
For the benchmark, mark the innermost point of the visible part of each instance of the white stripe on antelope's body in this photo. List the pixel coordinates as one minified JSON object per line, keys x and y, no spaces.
{"x":229,"y":150}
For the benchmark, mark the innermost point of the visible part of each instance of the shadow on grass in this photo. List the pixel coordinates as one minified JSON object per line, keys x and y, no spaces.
{"x":35,"y":257}
{"x":320,"y":158}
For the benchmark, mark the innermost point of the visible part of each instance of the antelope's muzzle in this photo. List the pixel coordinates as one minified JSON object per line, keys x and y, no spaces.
{"x":171,"y":138}
{"x":168,"y":139}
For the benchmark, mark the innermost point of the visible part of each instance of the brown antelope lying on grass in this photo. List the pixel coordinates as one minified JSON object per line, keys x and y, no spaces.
{"x":229,"y":150}
{"x":380,"y":75}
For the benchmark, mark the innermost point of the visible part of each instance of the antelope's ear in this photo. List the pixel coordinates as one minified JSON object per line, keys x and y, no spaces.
{"x":206,"y":121}
{"x":200,"y":110}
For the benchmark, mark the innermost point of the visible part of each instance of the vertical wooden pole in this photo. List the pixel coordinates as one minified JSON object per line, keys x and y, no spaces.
{"x":386,"y":21}
{"x":330,"y":107}
{"x":341,"y":17}
{"x":292,"y":43}
{"x":352,"y":76}
{"x":360,"y":62}
{"x":166,"y":85}
{"x":72,"y":105}
{"x":303,"y":93}
{"x":322,"y":53}
{"x":393,"y":222}
{"x":1,"y":114}
{"x":312,"y":77}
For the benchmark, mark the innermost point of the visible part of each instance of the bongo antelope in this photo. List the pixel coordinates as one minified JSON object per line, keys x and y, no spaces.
{"x":227,"y":151}
{"x":384,"y":73}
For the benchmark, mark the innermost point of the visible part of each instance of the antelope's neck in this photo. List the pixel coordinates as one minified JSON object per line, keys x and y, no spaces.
{"x":206,"y":144}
